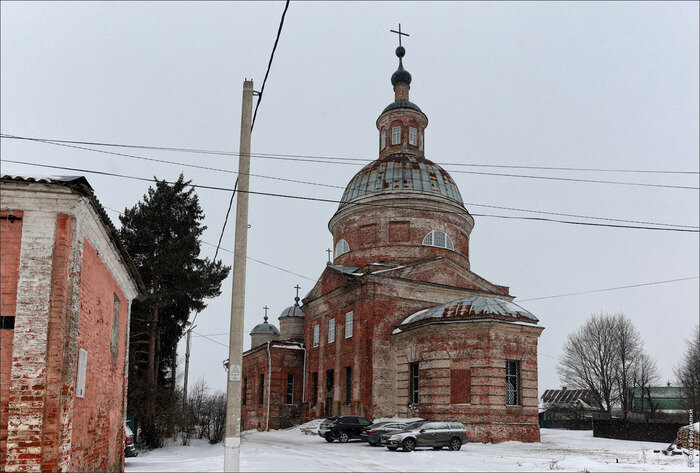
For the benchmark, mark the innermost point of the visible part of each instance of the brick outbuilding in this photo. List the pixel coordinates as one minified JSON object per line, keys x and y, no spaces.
{"x":67,"y":286}
{"x":398,"y":324}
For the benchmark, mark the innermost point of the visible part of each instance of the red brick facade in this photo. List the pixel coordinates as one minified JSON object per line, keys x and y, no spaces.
{"x":61,"y":271}
{"x":401,"y":235}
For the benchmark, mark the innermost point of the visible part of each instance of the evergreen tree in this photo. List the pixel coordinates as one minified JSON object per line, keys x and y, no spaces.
{"x":161,"y":234}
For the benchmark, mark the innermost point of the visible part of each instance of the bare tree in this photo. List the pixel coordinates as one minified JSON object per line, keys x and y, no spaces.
{"x":645,"y":374}
{"x":590,"y":360}
{"x":628,"y":347}
{"x":688,"y":373}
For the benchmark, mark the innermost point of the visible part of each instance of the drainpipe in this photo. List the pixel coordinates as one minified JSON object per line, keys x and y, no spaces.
{"x":269,"y":388}
{"x":303,"y":378}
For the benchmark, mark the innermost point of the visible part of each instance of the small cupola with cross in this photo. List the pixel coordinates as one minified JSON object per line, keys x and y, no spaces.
{"x":292,"y":320}
{"x":264,"y":332}
{"x":402,"y":123}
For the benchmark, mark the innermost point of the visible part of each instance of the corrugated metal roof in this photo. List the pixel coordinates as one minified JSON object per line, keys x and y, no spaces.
{"x":265,"y":328}
{"x":403,"y":172}
{"x":566,"y":396}
{"x":292,"y":311}
{"x":474,"y":307}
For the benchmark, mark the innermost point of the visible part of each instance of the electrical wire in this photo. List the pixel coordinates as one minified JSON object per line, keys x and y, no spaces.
{"x":318,"y":199}
{"x":608,"y":289}
{"x":210,"y":339}
{"x":340,"y":187}
{"x":230,"y":203}
{"x":269,"y":64}
{"x":313,"y":158}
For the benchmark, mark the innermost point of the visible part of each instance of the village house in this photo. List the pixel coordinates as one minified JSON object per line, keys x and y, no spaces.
{"x":67,"y":285}
{"x":397,"y":323}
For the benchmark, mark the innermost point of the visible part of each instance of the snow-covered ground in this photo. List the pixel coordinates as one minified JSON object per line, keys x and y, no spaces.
{"x":291,"y":450}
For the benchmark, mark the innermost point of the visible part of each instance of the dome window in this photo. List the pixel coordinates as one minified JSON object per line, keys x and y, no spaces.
{"x":412,"y":136}
{"x":396,"y":135}
{"x":382,"y":140}
{"x":341,"y":248}
{"x":439,"y":239}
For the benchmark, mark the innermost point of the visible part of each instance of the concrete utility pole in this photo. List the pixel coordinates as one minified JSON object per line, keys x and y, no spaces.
{"x":232,"y":443}
{"x":187,"y":367}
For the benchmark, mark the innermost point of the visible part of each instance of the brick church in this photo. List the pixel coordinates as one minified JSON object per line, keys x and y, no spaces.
{"x":397,"y":323}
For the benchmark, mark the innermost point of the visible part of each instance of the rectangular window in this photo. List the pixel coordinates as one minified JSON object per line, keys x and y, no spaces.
{"x":383,"y":140}
{"x":314,"y":394}
{"x":412,"y":136}
{"x":114,"y":343}
{"x":290,"y":388}
{"x":396,"y":135}
{"x":261,"y":389}
{"x":331,"y":331}
{"x":244,"y":392}
{"x":512,"y":383}
{"x":316,"y":330}
{"x":329,"y":380}
{"x":348,"y":385}
{"x":460,"y":386}
{"x":413,"y":382}
{"x":7,"y":321}
{"x":348,"y":324}
{"x":82,"y":373}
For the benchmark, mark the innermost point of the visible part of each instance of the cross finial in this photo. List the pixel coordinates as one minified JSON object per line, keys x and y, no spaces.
{"x":400,"y":33}
{"x":329,"y":254}
{"x":265,"y":317}
{"x":296,"y":299}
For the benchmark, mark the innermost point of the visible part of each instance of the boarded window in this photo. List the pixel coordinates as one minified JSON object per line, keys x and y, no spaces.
{"x":82,"y":373}
{"x":114,"y":343}
{"x":460,"y":386}
{"x":261,"y":389}
{"x":368,"y":234}
{"x":399,"y":231}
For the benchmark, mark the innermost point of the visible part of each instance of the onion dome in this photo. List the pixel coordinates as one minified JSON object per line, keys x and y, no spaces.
{"x":475,"y":308}
{"x":265,"y":328}
{"x":401,"y":172}
{"x":401,"y":76}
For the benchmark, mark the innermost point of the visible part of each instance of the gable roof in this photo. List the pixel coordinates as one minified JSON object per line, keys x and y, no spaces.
{"x":81,"y":185}
{"x":566,"y":396}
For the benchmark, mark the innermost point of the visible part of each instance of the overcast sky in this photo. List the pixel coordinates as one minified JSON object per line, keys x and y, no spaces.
{"x":595,"y":85}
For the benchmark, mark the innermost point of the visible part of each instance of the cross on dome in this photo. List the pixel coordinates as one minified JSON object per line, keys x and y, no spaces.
{"x":265,"y":317}
{"x":399,"y":33}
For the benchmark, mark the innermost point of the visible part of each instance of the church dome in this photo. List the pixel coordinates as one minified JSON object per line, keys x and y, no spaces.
{"x":401,"y":172}
{"x":265,"y":328}
{"x":474,"y":307}
{"x":292,"y":311}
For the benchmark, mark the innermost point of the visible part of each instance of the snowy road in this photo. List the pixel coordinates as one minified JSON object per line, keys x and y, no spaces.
{"x":290,"y":450}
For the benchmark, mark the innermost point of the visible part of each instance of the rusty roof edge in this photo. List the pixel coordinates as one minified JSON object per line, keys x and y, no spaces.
{"x":81,"y":185}
{"x":461,"y":320}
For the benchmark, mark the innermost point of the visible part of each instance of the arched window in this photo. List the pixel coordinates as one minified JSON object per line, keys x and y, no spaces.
{"x":439,"y":239}
{"x":396,"y":135}
{"x":341,"y":248}
{"x":412,"y":136}
{"x":383,"y":140}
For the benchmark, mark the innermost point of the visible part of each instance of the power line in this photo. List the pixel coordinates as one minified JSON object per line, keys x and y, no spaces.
{"x":340,"y":187}
{"x":609,"y":289}
{"x":269,"y":64}
{"x":313,"y":158}
{"x":210,"y":339}
{"x":230,"y":203}
{"x":318,"y":199}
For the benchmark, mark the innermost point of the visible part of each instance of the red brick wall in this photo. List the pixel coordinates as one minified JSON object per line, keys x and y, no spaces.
{"x":97,"y":443}
{"x":10,"y":244}
{"x":284,"y":361}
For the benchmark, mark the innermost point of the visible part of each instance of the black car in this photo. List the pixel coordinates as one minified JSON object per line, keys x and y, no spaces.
{"x":342,"y":428}
{"x":373,"y":433}
{"x":129,"y":448}
{"x":427,"y":434}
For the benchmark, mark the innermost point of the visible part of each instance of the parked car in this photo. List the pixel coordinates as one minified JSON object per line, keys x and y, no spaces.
{"x":373,"y":433}
{"x":342,"y":428}
{"x":129,"y":448}
{"x":435,"y":434}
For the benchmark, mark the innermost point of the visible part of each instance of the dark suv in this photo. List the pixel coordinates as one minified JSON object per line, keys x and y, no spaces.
{"x":342,"y":428}
{"x":427,"y":434}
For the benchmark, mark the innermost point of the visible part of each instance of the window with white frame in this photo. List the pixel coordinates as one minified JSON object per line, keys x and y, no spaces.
{"x":316,"y":332}
{"x":439,"y":239}
{"x":382,"y":140}
{"x":412,"y":136}
{"x":348,"y":324}
{"x":341,"y":248}
{"x":331,"y":331}
{"x":396,"y":135}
